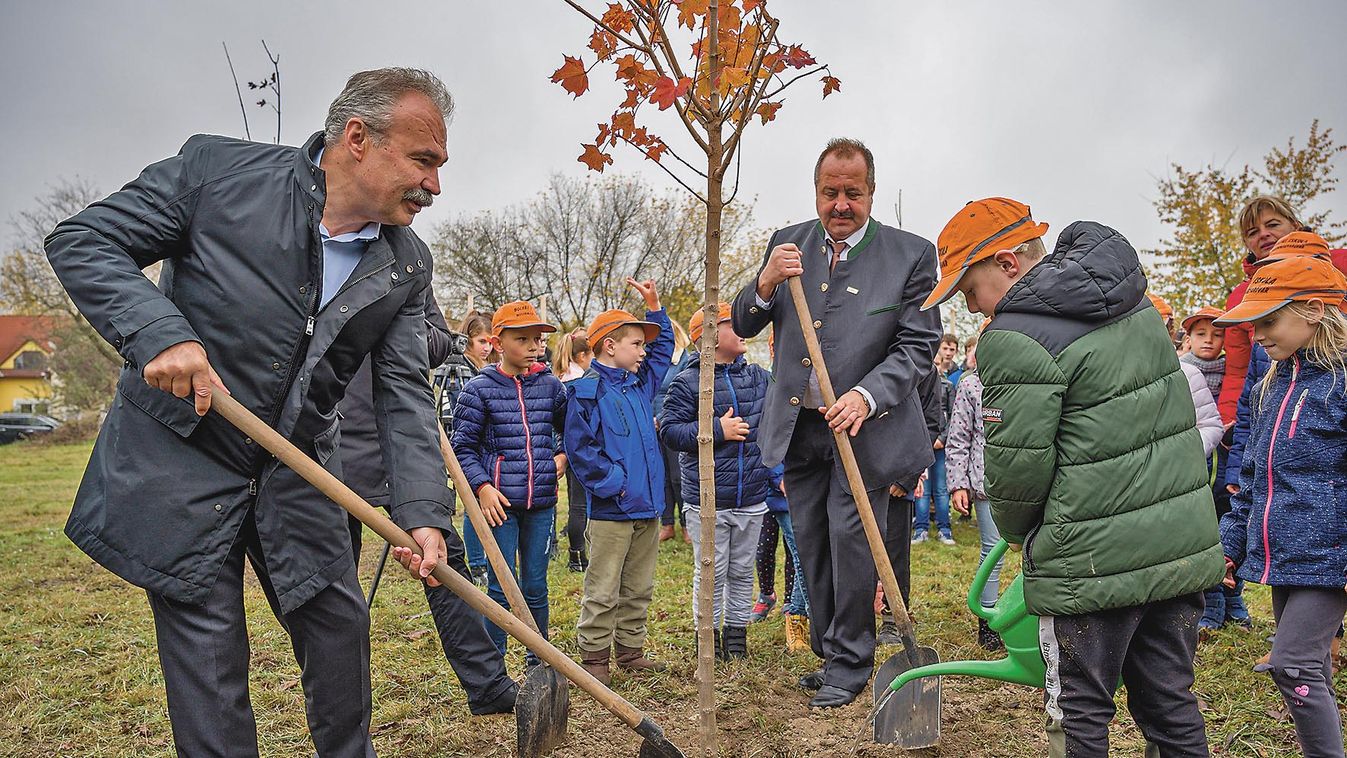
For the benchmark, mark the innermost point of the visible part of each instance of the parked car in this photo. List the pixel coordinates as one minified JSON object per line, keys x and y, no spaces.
{"x":19,"y":426}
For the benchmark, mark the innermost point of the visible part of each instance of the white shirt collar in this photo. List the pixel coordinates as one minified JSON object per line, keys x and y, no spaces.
{"x":852,"y":241}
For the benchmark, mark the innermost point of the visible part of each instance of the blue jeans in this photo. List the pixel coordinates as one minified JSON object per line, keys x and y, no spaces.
{"x":1225,"y":604}
{"x":524,"y":540}
{"x":990,"y":536}
{"x":935,"y":482}
{"x":799,"y":598}
{"x":472,"y":545}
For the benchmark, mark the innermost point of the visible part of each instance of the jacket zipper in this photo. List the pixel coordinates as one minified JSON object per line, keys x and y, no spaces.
{"x":302,"y":345}
{"x":1271,"y":446}
{"x":499,"y":459}
{"x":1029,"y":544}
{"x":739,"y":481}
{"x":528,"y":439}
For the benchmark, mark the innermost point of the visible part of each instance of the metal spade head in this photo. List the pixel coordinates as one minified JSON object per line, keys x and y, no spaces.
{"x":655,"y":744}
{"x":910,"y":717}
{"x":542,"y":711}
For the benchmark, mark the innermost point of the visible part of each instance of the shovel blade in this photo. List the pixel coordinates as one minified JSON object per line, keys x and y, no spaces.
{"x":910,"y":718}
{"x":542,"y":711}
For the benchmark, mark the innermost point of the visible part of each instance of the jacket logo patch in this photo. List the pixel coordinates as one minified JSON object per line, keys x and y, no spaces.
{"x":853,"y":290}
{"x":991,"y":415}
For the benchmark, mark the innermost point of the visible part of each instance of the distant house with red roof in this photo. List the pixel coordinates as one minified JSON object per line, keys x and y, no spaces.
{"x":25,"y":349}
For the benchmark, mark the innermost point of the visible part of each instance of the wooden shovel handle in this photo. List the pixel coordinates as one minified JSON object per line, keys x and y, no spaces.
{"x":488,"y":538}
{"x":853,"y":471}
{"x":339,"y":493}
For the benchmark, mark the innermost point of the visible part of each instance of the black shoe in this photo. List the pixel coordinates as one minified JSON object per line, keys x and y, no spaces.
{"x":888,"y":632}
{"x":988,"y":639}
{"x":480,"y":576}
{"x":504,"y":703}
{"x":812,"y":681}
{"x":829,"y":696}
{"x":578,"y":561}
{"x":736,"y":641}
{"x":720,"y":645}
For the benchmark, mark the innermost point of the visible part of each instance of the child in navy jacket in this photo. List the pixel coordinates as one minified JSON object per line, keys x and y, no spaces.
{"x":611,"y":445}
{"x":1285,"y":527}
{"x":505,"y":428}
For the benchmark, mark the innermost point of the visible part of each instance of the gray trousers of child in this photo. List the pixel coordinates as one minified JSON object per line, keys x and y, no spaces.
{"x":1302,"y":666}
{"x":737,"y":532}
{"x":1150,"y":647}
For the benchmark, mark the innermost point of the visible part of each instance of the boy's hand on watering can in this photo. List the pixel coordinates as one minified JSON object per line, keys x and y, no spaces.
{"x":958,"y":500}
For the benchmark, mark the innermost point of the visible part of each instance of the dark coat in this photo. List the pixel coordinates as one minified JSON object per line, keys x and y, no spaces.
{"x":236,"y":226}
{"x":1259,"y":363}
{"x":873,"y":334}
{"x":610,"y":433}
{"x":1287,"y":523}
{"x":362,"y":458}
{"x":741,"y":479}
{"x":505,"y":434}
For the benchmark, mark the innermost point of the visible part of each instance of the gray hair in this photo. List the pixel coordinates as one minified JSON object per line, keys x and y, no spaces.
{"x":845,"y":147}
{"x":371,"y":95}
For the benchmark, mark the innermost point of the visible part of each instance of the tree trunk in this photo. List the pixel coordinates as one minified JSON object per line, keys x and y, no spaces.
{"x":706,"y":686}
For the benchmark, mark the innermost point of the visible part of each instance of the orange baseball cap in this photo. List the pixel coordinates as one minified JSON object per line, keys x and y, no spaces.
{"x":978,"y":231}
{"x":1297,"y":278}
{"x":517,"y":315}
{"x":1166,"y":312}
{"x":695,"y":325}
{"x":1299,"y":243}
{"x":1207,"y":312}
{"x":604,"y":324}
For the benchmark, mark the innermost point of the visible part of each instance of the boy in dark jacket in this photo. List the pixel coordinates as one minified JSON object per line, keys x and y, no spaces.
{"x":1094,"y":463}
{"x":741,"y":479}
{"x":610,"y":440}
{"x":505,"y":425}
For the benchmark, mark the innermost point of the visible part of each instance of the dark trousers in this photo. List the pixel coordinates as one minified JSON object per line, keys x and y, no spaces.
{"x":203,"y":650}
{"x":468,"y":648}
{"x":1151,"y":648}
{"x":898,"y":544}
{"x":577,"y":513}
{"x":1302,"y":664}
{"x":839,"y":572}
{"x":673,"y":488}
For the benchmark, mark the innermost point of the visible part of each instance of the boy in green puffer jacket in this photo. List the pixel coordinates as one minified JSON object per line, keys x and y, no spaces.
{"x":1093,"y":462}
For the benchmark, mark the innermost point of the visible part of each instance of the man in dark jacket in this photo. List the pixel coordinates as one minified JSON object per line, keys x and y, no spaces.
{"x":283,"y":268}
{"x":864,"y":283}
{"x":469,"y":650}
{"x":1094,"y":463}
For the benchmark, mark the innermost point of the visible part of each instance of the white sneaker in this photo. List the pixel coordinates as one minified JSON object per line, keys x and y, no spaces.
{"x":920,"y":536}
{"x":946,"y":539}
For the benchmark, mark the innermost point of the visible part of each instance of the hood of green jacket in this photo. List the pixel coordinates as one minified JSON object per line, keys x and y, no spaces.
{"x":1093,"y":274}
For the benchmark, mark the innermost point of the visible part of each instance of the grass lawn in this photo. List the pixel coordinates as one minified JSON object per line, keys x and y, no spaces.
{"x":79,"y":674}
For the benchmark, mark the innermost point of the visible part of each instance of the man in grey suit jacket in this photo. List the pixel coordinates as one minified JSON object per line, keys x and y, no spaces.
{"x":865,"y":283}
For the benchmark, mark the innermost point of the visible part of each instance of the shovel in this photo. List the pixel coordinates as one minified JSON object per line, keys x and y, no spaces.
{"x":654,"y":745}
{"x":909,"y":717}
{"x":543,"y":705}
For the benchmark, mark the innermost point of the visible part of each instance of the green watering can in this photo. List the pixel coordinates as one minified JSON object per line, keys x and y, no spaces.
{"x":1023,"y":663}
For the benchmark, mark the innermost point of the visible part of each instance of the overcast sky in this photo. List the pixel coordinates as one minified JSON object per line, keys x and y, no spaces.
{"x":1074,"y":108}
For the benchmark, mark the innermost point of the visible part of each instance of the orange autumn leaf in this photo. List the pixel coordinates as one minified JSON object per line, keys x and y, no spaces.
{"x":602,"y":43}
{"x":633,"y":97}
{"x":624,"y":123}
{"x":767,"y":111}
{"x":831,"y":84}
{"x":595,"y":158}
{"x":752,"y":5}
{"x":798,"y":57}
{"x":667,"y":90}
{"x":690,"y":10}
{"x":618,"y":18}
{"x":635,"y":73}
{"x":571,"y":76}
{"x":656,"y":151}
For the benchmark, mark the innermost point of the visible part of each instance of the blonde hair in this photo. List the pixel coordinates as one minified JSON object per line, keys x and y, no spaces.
{"x":1032,"y":250}
{"x":571,"y":346}
{"x":1326,"y":349}
{"x":1248,"y":216}
{"x":681,"y":338}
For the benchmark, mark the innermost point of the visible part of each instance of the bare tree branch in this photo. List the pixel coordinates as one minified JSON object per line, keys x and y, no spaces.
{"x":246,"y":132}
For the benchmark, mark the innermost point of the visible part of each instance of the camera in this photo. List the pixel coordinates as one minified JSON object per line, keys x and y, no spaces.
{"x":450,"y":377}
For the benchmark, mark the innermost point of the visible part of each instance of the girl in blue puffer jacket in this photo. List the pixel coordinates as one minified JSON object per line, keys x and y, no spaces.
{"x":1288,"y":521}
{"x":506,"y":428}
{"x":742,"y":482}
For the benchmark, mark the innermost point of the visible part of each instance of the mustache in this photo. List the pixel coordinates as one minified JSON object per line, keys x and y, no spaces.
{"x":420,"y":196}
{"x":848,"y":214}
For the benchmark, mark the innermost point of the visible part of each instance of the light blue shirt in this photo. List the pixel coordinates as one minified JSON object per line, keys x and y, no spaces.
{"x":342,"y":252}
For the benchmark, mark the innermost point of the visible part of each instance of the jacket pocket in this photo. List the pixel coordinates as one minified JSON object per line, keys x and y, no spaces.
{"x":1028,"y":547}
{"x":326,"y":443}
{"x":166,"y":408}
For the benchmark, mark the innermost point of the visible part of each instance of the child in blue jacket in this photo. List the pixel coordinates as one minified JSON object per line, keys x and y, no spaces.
{"x":741,"y":485}
{"x":611,"y":445}
{"x":505,"y":428}
{"x":1285,"y":528}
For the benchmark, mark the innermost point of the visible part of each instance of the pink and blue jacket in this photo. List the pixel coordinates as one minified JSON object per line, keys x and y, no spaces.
{"x":1287,"y":526}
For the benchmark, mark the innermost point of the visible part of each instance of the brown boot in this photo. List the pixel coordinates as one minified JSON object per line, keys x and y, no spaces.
{"x":596,"y":663}
{"x":634,"y":659}
{"x":666,"y":533}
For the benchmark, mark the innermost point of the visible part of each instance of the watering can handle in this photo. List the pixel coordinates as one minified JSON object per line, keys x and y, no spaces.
{"x":980,"y":580}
